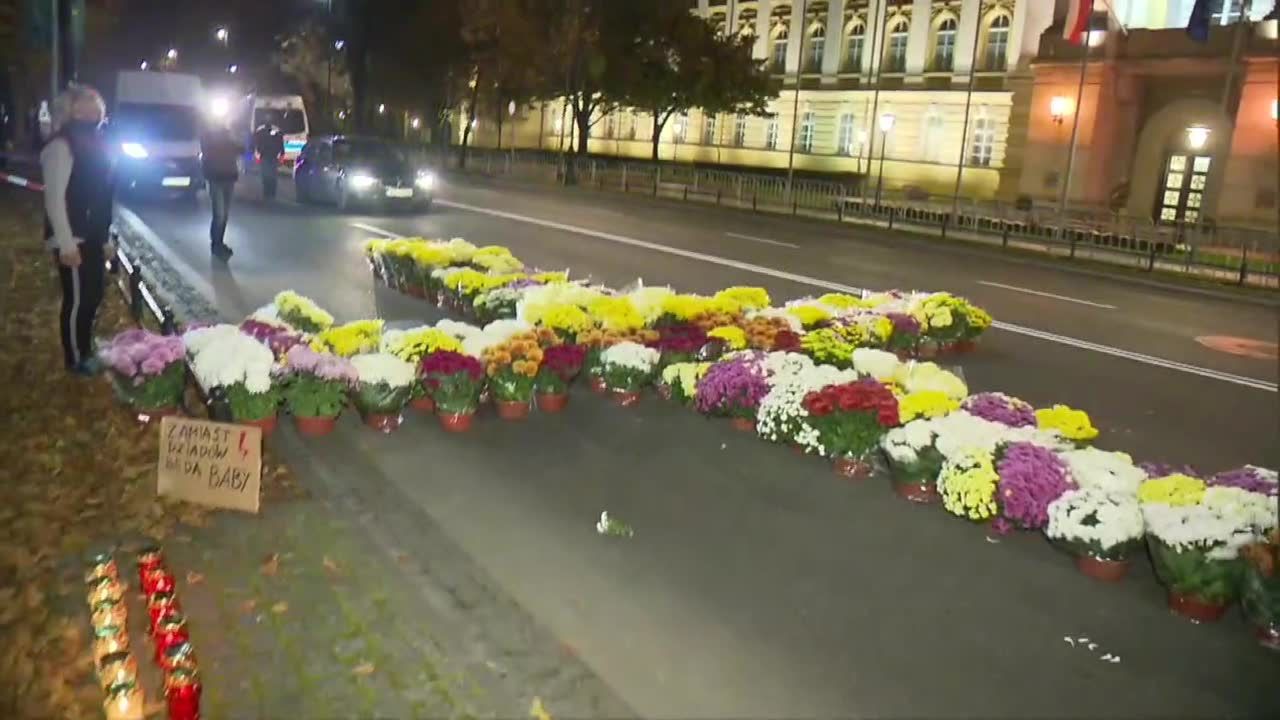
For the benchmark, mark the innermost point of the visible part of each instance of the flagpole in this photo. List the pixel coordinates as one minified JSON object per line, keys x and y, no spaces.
{"x":968,"y":103}
{"x":1075,"y":125}
{"x":795,"y":105}
{"x":877,"y":63}
{"x":1236,"y":46}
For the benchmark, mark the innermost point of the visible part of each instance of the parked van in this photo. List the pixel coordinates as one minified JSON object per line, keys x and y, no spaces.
{"x":155,"y":129}
{"x":286,"y":112}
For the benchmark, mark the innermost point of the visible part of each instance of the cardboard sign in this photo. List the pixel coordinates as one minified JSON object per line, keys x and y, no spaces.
{"x":210,"y":463}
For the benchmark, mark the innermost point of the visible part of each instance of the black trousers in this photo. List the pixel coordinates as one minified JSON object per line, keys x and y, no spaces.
{"x":82,"y":289}
{"x":270,"y":178}
{"x":220,"y":198}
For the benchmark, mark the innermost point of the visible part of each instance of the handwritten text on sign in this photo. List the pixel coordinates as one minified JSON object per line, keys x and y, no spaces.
{"x":210,"y":463}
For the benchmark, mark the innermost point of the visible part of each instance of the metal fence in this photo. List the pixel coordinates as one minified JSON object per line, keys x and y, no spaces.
{"x":1241,"y":256}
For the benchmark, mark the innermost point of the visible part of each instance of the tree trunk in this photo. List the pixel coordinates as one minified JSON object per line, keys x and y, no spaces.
{"x":500,"y":119}
{"x":657,"y":133}
{"x":583,"y":121}
{"x":471,"y":120}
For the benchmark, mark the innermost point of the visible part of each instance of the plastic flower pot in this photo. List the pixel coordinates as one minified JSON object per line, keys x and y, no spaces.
{"x":512,"y":409}
{"x":664,"y":391}
{"x":1102,"y":568}
{"x":1260,"y":601}
{"x":743,"y":424}
{"x":266,"y":424}
{"x":456,"y":422}
{"x":963,"y":347}
{"x":1195,"y":609}
{"x":417,"y":291}
{"x":927,"y":350}
{"x":315,"y":426}
{"x":597,"y":384}
{"x":798,"y":449}
{"x":424,"y":404}
{"x":382,"y":422}
{"x":552,"y":402}
{"x":852,"y":468}
{"x":925,"y":493}
{"x":626,"y":398}
{"x":1200,"y":587}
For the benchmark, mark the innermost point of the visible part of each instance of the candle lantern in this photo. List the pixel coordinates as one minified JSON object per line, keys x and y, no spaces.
{"x":108,"y":639}
{"x":124,"y":702}
{"x":171,"y":631}
{"x":182,"y":691}
{"x":117,"y":668}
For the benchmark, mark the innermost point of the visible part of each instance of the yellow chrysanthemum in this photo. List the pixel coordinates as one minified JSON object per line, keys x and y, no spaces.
{"x":841,"y":301}
{"x":353,"y":338}
{"x":741,"y":299}
{"x":1072,"y":424}
{"x":925,"y":404}
{"x":732,"y":335}
{"x":809,"y":315}
{"x":1176,"y":489}
{"x":615,"y":313}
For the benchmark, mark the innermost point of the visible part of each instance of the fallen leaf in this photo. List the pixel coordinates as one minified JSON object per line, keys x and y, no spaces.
{"x":248,"y":606}
{"x":194,"y":578}
{"x":364,"y":668}
{"x":331,"y":566}
{"x":271,"y":565}
{"x":280,"y":608}
{"x":402,"y":557}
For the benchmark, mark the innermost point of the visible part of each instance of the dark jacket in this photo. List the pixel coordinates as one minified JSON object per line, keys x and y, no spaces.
{"x":90,"y":188}
{"x":219,"y":152}
{"x":269,"y":143}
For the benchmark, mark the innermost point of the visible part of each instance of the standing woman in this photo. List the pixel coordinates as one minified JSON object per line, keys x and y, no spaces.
{"x":79,"y":185}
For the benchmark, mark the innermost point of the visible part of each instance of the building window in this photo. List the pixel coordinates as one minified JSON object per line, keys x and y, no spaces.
{"x":610,"y":125}
{"x":778,"y":53}
{"x":807,"y":124}
{"x":771,"y":134}
{"x":739,"y":130}
{"x":895,"y":53}
{"x":1226,"y":12}
{"x":630,"y":125}
{"x":853,"y":49}
{"x":944,"y":46}
{"x":932,"y":142}
{"x":709,"y":130}
{"x":817,"y":45}
{"x":996,"y":56}
{"x":847,"y":132}
{"x":984,"y":140}
{"x":682,"y":126}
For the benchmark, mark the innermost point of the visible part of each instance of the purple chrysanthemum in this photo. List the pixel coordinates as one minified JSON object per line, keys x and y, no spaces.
{"x":1001,"y":408}
{"x":1253,"y":479}
{"x":1164,"y":469}
{"x":732,"y":387}
{"x":1031,"y":477}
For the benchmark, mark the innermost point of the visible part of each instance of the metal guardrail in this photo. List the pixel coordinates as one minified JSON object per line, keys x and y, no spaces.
{"x":1242,"y":256}
{"x":138,"y":295}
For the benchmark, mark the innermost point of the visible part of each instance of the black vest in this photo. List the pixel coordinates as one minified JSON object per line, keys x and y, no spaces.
{"x":90,"y":189}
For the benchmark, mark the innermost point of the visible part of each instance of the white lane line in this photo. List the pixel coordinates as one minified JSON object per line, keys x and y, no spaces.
{"x":375,"y":229}
{"x":1028,"y":291}
{"x":766,"y":241}
{"x":818,"y":282}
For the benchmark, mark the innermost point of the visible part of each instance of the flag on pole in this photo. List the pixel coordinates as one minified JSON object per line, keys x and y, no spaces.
{"x":1078,"y":12}
{"x":1198,"y":25}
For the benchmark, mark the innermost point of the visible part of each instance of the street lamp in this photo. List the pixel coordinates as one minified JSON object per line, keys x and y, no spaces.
{"x":415,"y":123}
{"x":233,"y":68}
{"x":172,"y":55}
{"x":1197,"y":137}
{"x":382,"y":108}
{"x":328,"y":73}
{"x":222,"y":35}
{"x":144,"y":65}
{"x":339,"y":44}
{"x":1059,"y":108}
{"x":886,"y":124}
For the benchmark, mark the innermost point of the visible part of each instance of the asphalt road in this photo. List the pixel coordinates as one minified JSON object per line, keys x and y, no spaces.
{"x":758,"y":584}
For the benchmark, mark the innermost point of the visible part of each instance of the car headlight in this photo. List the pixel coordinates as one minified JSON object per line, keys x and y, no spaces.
{"x":134,"y":150}
{"x":360,"y":181}
{"x":425,"y":181}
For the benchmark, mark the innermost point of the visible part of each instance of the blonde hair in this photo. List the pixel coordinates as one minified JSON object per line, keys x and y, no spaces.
{"x":78,"y":102}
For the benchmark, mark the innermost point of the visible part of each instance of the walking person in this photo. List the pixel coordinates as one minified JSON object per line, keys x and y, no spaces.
{"x":78,"y":196}
{"x":269,"y":144}
{"x":219,"y":153}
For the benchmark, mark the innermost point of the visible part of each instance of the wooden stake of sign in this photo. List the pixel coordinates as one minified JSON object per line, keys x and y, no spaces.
{"x":210,"y":463}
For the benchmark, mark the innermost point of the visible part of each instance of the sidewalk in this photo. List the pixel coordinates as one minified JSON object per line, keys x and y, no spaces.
{"x":298,"y":612}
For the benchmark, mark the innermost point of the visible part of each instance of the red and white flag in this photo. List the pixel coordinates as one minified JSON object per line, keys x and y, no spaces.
{"x":1078,"y":12}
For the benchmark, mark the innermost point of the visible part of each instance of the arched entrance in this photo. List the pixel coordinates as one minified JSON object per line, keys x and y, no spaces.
{"x":1179,"y":162}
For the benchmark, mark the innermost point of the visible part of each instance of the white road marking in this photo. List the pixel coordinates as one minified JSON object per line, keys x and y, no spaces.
{"x":818,"y":282}
{"x":1028,"y":291}
{"x":767,"y":241}
{"x":375,"y":229}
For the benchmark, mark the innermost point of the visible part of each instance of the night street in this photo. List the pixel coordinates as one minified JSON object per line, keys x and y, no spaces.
{"x":757,"y":584}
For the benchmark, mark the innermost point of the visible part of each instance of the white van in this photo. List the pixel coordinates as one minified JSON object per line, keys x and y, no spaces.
{"x":155,"y":128}
{"x":286,"y":112}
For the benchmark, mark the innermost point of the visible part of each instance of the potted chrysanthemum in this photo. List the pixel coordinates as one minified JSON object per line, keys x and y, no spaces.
{"x":1100,"y":529}
{"x":315,"y":388}
{"x":412,"y":345}
{"x":967,"y":484}
{"x":626,"y":368}
{"x":1031,"y":477}
{"x":1195,"y":539}
{"x":512,"y":367}
{"x":384,"y":383}
{"x":914,"y":462}
{"x":224,"y":359}
{"x":733,"y":388}
{"x":850,"y":420}
{"x":560,"y":365}
{"x":454,"y":380}
{"x":146,"y":370}
{"x":1260,"y":595}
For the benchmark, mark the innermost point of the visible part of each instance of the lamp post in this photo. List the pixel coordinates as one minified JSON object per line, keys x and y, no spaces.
{"x":1197,"y":137}
{"x":1059,"y":107}
{"x":328,"y":74}
{"x":886,"y":124}
{"x":222,"y":35}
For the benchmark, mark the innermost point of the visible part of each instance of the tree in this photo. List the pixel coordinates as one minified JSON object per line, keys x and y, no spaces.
{"x":308,"y":57}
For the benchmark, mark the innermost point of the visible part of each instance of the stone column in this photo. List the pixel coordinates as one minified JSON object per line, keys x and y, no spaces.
{"x":764,"y":8}
{"x":873,"y":43}
{"x":835,"y":38}
{"x":919,"y":50}
{"x":965,"y":37}
{"x":795,"y":30}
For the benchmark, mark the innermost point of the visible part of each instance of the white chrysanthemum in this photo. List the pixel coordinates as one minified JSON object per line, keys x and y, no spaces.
{"x":383,"y":369}
{"x":1091,"y":515}
{"x":222,"y":356}
{"x":879,"y":364}
{"x":781,"y":415}
{"x":781,"y":367}
{"x":1221,"y":529}
{"x":630,"y":355}
{"x":960,"y":431}
{"x":1110,"y":472}
{"x":1258,"y":509}
{"x":903,"y":444}
{"x":459,"y":330}
{"x":649,"y":301}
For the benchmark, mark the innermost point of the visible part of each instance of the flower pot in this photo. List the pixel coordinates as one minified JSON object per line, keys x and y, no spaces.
{"x":927,"y":350}
{"x":416,"y":291}
{"x":597,"y":385}
{"x":512,"y":409}
{"x":1268,"y":636}
{"x":266,"y":424}
{"x":798,"y":449}
{"x":664,"y":391}
{"x":743,"y":424}
{"x":1195,"y":609}
{"x":962,"y":347}
{"x":315,"y":426}
{"x":852,"y":468}
{"x":456,"y":423}
{"x":925,"y":493}
{"x":1102,"y":569}
{"x":626,"y":398}
{"x":382,"y":422}
{"x":552,"y":402}
{"x":423,"y":404}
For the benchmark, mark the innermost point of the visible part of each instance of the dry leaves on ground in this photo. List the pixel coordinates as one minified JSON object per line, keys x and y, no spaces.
{"x":364,"y":668}
{"x":271,"y":565}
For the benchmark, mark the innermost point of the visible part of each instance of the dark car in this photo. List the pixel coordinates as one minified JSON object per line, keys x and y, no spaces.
{"x":361,"y":172}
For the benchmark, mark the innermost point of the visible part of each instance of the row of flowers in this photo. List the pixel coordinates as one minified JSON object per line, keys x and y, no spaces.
{"x":488,"y":283}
